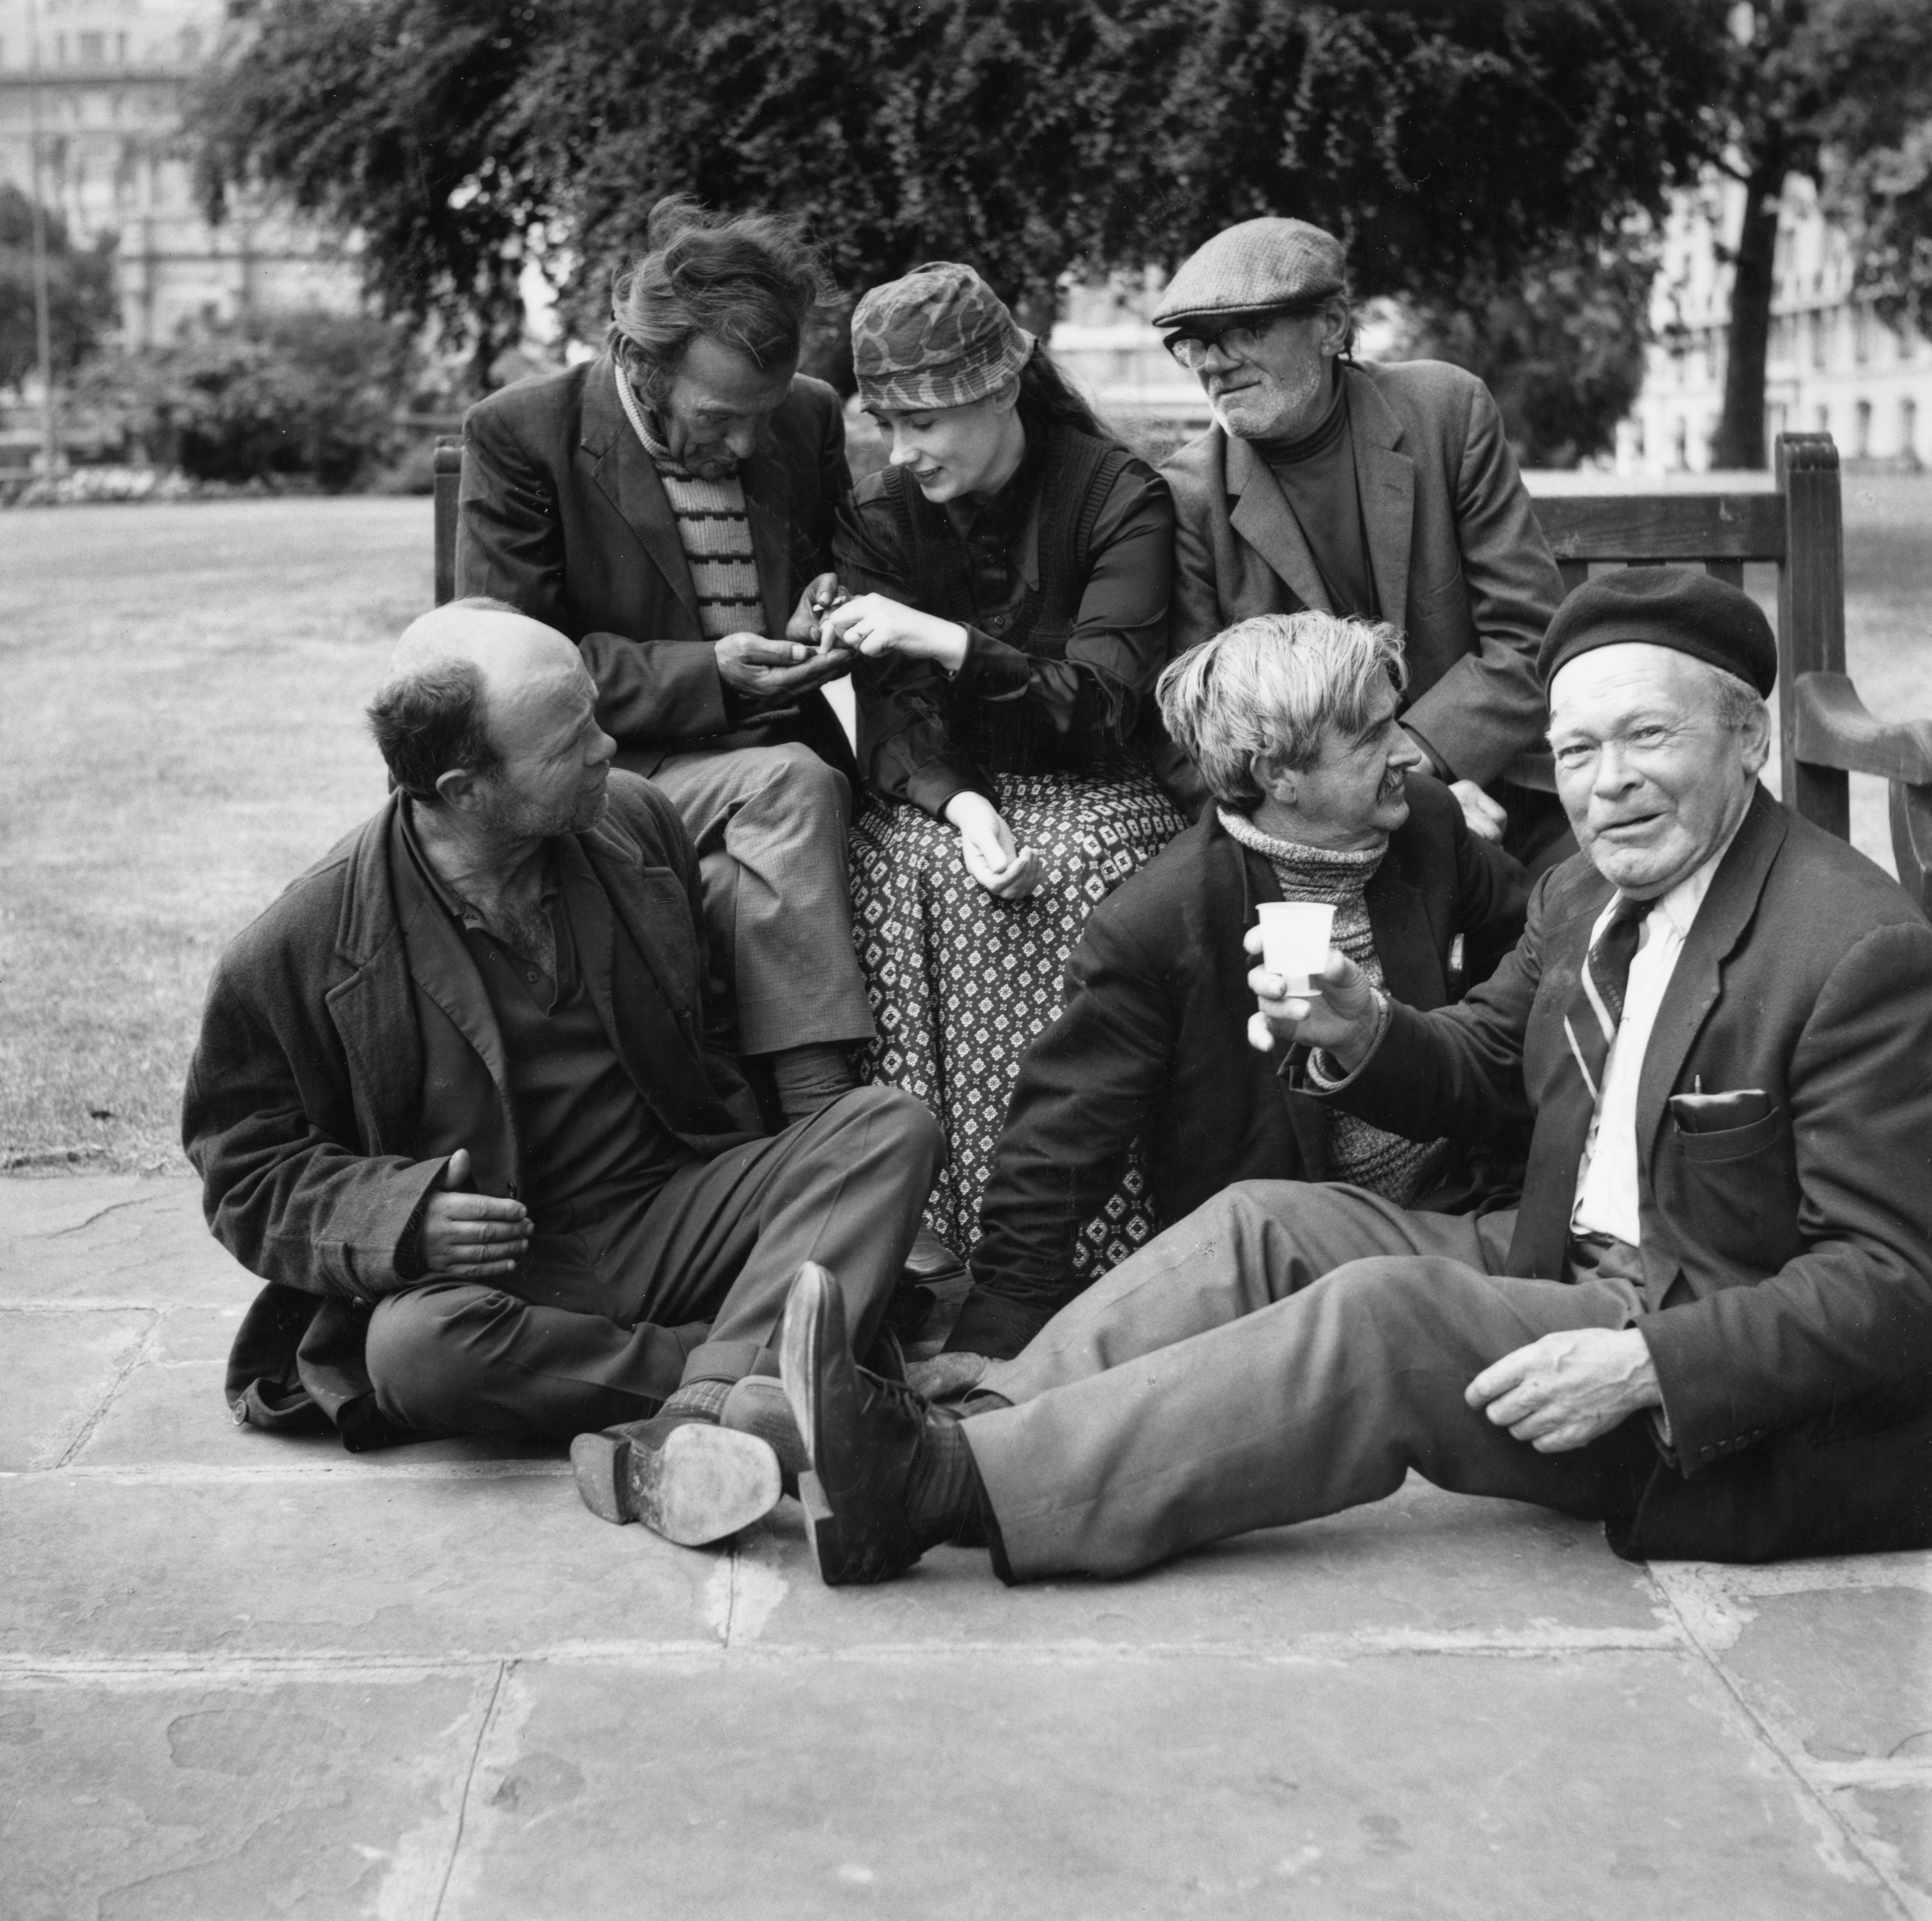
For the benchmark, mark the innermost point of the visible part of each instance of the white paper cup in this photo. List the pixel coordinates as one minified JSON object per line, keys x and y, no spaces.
{"x":1295,"y":936}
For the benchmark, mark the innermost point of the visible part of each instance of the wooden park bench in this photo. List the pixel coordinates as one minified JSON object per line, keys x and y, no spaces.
{"x":1826,"y":734}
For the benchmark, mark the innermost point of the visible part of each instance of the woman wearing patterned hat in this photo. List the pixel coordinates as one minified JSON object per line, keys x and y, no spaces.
{"x":1010,"y":569}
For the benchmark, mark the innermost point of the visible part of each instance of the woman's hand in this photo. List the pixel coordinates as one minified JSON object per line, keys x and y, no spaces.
{"x":875,"y":626}
{"x":986,"y":846}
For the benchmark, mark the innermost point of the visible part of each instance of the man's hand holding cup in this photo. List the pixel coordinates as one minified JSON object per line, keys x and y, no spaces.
{"x":1334,"y":1008}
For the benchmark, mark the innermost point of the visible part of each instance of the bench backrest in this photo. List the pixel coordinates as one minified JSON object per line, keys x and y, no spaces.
{"x":1825,"y":733}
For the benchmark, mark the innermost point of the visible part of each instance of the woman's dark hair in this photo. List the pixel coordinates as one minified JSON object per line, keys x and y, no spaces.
{"x":430,"y":721}
{"x":749,"y":282}
{"x":1048,"y":399}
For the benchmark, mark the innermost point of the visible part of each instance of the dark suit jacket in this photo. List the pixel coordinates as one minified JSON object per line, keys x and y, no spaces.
{"x":562,"y":515}
{"x":1788,"y":1263}
{"x":307,"y":1095}
{"x":1459,"y":561}
{"x":1152,"y":1042}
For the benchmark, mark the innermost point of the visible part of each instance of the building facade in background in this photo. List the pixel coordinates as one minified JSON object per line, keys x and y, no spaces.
{"x":111,"y":79}
{"x":1833,"y":365}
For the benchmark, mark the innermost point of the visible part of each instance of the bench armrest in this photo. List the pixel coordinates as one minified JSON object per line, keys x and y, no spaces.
{"x":1834,"y":729}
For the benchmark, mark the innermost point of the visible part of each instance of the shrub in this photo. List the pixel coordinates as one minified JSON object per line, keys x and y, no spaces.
{"x":305,"y":396}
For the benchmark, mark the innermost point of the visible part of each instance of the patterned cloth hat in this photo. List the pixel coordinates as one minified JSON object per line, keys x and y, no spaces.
{"x":1252,"y":267}
{"x":1681,"y":608}
{"x":939,"y":338}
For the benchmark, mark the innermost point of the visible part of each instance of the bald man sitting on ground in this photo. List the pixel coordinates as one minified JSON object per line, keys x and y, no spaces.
{"x":464,"y":1098}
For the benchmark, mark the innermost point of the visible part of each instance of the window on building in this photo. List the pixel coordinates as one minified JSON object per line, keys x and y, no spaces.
{"x":1680,"y":445}
{"x":93,"y":49}
{"x":1862,"y":331}
{"x":1821,"y":421}
{"x":1710,"y":353}
{"x":60,"y":49}
{"x":1861,"y":430}
{"x":1774,"y":418}
{"x":1908,"y":431}
{"x":190,"y":43}
{"x":121,"y":49}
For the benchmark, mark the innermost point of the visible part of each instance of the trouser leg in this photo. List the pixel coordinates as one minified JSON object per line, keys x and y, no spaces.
{"x":1314,"y":1402}
{"x":455,"y":1358}
{"x":726,"y":1238}
{"x":769,"y":825}
{"x":1253,"y":1243}
{"x":702,"y":1272}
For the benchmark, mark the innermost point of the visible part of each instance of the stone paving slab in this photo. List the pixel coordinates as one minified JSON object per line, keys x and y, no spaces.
{"x":115,"y":1238}
{"x":1498,"y":1575}
{"x":60,"y":1370}
{"x":179,"y":1802}
{"x":247,"y":1677}
{"x":799,"y":1788}
{"x":397,"y":1564}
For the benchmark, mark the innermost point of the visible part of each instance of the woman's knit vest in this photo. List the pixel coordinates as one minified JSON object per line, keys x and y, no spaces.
{"x":1017,"y":737}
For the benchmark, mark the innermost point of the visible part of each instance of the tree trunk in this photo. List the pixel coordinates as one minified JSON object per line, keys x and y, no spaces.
{"x":1740,"y":437}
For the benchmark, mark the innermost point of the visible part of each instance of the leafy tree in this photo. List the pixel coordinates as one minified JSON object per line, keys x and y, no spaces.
{"x":1450,"y":141}
{"x":81,"y":304}
{"x":1561,"y":346}
{"x":1815,"y":86}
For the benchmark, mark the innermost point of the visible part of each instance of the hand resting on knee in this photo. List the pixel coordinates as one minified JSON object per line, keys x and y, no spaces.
{"x":1566,"y":1390}
{"x":471,"y":1236}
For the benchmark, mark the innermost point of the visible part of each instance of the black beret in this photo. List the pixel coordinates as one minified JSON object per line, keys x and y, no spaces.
{"x":1681,"y":608}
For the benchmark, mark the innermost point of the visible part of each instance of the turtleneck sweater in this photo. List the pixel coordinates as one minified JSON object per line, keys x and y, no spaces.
{"x":1316,"y":475}
{"x":1397,"y":1169}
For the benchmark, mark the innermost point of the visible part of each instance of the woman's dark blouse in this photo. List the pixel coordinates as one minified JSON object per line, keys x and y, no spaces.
{"x":1112,"y":654}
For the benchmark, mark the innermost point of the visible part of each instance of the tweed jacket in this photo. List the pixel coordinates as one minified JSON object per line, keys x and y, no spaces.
{"x":1460,"y":563}
{"x":307,"y":1087}
{"x":1151,"y":1043}
{"x":562,"y":515}
{"x":1787,"y":1263}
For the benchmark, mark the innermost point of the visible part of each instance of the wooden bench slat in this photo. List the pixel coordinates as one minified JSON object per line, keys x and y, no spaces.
{"x":1834,"y":728}
{"x":1661,"y":527}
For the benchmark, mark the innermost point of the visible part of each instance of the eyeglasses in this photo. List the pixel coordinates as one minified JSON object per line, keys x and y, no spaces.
{"x":1239,"y":339}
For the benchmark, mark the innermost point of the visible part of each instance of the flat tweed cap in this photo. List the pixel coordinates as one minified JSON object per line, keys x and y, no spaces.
{"x":1258,"y":265}
{"x":1665,"y":607}
{"x":940,"y":336}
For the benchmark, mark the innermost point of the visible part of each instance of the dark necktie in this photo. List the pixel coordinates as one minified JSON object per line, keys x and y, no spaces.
{"x":1596,"y":1009}
{"x":1590,"y":1024}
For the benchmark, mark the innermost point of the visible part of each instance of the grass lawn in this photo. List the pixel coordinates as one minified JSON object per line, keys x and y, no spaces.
{"x":180,"y":732}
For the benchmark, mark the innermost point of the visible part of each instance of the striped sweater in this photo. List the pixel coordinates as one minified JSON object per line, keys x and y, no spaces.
{"x":713,"y":531}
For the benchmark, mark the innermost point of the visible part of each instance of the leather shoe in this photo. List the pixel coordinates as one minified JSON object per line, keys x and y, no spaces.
{"x":930,"y":1259}
{"x":691,"y":1480}
{"x":863,"y":1434}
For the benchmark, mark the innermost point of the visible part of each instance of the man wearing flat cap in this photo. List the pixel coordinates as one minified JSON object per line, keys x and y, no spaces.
{"x":1386,"y":492}
{"x":1709,"y":1323}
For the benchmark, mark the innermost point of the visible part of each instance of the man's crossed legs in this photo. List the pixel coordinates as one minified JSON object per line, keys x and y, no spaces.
{"x":635,"y":1328}
{"x":1287,"y":1351}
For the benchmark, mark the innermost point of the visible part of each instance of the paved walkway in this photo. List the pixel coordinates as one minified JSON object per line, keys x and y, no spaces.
{"x":245,"y":1677}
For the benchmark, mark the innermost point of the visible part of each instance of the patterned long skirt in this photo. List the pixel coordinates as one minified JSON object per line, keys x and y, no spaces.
{"x":961,"y":982}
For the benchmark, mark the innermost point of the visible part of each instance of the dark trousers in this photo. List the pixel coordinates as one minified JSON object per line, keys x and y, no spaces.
{"x":1287,"y":1351}
{"x":693,"y":1284}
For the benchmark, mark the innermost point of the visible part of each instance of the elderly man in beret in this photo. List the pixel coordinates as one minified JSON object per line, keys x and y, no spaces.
{"x":1387,"y":492}
{"x":1709,"y":1324}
